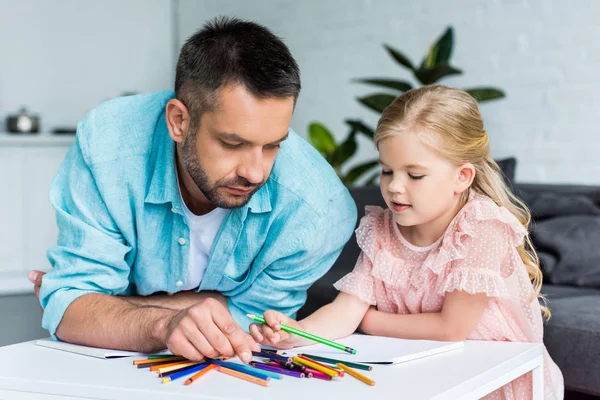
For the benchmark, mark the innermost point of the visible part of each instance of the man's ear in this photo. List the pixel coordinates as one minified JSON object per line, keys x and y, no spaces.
{"x":178,"y":120}
{"x":464,"y":177}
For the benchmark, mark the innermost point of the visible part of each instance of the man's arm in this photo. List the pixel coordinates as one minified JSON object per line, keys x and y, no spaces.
{"x":282,"y":285}
{"x":176,"y":301}
{"x":90,"y":270}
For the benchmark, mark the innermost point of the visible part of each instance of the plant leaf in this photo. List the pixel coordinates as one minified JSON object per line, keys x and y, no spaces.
{"x":440,"y":52}
{"x":359,"y":126}
{"x":445,"y":45}
{"x":345,"y":150}
{"x":427,"y":76}
{"x":321,"y":138}
{"x":399,"y":57}
{"x":401,"y":86}
{"x":359,"y":171}
{"x":485,"y":93}
{"x":377,"y":102}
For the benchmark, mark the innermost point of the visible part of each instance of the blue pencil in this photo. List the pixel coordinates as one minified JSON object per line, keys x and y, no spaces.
{"x":242,"y":368}
{"x":181,"y":374}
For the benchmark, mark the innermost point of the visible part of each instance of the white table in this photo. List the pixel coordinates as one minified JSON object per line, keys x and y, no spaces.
{"x":28,"y":371}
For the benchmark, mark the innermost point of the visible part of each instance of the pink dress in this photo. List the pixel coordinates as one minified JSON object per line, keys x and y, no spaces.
{"x":476,"y":254}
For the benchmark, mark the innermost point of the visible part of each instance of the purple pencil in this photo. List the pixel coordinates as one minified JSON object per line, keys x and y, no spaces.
{"x":279,"y":370}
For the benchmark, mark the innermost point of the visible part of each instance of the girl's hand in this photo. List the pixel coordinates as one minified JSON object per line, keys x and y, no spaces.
{"x":271,"y":333}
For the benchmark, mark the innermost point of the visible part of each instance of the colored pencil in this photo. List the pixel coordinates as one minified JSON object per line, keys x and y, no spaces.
{"x":272,"y":356}
{"x":356,"y":374}
{"x":194,"y":378}
{"x":156,"y":360}
{"x":318,"y":374}
{"x":243,"y":376}
{"x":306,"y":335}
{"x":169,"y":373}
{"x":279,"y":370}
{"x":164,"y":369}
{"x":181,"y":374}
{"x":243,"y":368}
{"x":291,"y":366}
{"x":334,"y":361}
{"x":312,"y":365}
{"x":252,"y":368}
{"x":158,"y":356}
{"x":338,"y":370}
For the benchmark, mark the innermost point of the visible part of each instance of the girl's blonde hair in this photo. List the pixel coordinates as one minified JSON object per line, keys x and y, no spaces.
{"x":449,"y":122}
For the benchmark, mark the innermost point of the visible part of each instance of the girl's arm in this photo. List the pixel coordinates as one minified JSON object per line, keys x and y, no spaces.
{"x":460,"y":314}
{"x":333,"y":321}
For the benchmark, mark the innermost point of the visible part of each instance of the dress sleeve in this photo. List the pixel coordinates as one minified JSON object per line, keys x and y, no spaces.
{"x":482,"y":252}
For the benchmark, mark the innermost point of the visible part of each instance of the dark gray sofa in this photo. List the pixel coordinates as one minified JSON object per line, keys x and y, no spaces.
{"x":572,"y":335}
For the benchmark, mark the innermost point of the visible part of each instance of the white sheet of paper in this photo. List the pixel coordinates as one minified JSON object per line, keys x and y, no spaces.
{"x":379,"y":350}
{"x":88,"y":351}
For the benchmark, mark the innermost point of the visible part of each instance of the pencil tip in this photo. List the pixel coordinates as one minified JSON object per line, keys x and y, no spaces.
{"x":250,"y":315}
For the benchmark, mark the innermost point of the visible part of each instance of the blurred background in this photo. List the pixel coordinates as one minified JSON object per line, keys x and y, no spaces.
{"x":534,"y":63}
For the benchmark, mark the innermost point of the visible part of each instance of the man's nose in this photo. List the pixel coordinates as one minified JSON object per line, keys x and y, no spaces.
{"x":252,"y":167}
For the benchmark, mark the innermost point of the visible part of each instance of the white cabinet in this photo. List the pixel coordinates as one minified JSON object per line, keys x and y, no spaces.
{"x":27,"y":223}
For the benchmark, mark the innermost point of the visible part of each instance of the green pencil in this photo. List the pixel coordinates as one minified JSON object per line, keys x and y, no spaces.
{"x":306,"y":335}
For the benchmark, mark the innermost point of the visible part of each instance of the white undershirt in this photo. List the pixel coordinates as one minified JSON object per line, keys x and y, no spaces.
{"x":203,"y":229}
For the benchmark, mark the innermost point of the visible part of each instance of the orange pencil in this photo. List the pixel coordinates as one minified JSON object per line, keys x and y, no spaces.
{"x":157,"y":360}
{"x":246,"y":377}
{"x":356,"y":374}
{"x":317,"y":367}
{"x":191,"y":380}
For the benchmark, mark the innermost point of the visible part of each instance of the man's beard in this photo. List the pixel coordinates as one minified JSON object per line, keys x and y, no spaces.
{"x":191,"y":163}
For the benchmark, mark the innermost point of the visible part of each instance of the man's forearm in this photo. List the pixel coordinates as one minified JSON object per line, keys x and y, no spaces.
{"x":110,"y":322}
{"x":176,"y":301}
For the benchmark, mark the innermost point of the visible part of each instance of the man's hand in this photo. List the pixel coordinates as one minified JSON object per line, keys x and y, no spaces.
{"x":35,"y":277}
{"x":207,"y":329}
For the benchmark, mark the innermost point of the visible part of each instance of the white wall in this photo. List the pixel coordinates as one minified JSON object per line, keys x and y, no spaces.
{"x":544,"y":54}
{"x":60,"y":58}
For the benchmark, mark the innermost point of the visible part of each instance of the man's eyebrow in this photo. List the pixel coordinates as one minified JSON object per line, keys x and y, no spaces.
{"x":282,"y":139}
{"x":235,"y":138}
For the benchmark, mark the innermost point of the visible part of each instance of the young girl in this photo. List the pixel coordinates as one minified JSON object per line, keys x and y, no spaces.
{"x":450,"y":258}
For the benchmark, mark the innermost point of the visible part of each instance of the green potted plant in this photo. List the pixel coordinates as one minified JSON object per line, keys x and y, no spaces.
{"x":434,"y":66}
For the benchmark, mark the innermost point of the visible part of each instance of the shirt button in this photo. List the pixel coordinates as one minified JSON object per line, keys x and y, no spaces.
{"x":179,"y":284}
{"x":173,"y":210}
{"x":181,"y":241}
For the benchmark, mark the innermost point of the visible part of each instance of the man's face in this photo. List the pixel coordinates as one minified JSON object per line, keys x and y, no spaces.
{"x":232,"y":154}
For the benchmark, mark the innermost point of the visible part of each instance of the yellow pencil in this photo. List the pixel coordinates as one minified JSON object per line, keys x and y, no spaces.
{"x":314,"y":366}
{"x":158,"y":360}
{"x":356,"y":374}
{"x":179,"y":366}
{"x":243,"y":376}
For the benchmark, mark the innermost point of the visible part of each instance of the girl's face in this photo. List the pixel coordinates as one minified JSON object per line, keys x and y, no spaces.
{"x":419,"y":186}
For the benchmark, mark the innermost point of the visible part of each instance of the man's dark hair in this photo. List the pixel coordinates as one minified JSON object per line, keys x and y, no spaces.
{"x":231,"y":51}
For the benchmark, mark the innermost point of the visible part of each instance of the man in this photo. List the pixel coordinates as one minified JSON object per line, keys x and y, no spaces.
{"x":180,"y":213}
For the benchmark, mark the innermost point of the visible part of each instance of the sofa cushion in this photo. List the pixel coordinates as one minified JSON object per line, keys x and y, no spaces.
{"x":572,"y":335}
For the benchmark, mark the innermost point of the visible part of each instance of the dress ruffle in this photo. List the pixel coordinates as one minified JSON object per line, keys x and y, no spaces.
{"x":443,"y":262}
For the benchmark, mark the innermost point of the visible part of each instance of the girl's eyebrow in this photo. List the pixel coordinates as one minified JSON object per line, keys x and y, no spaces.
{"x":409,"y":166}
{"x":414,"y":166}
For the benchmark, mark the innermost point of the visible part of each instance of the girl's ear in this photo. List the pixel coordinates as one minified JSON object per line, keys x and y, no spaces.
{"x":464,"y":177}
